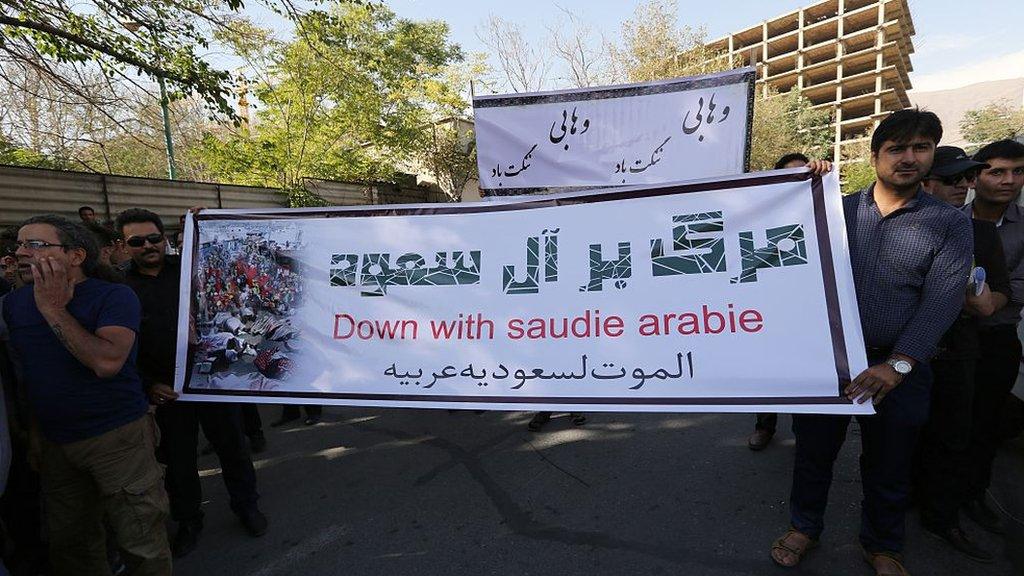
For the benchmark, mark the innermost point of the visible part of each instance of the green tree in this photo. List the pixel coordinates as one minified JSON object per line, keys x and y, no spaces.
{"x":351,"y":98}
{"x":653,"y":47}
{"x":785,"y":123}
{"x":997,"y":121}
{"x":856,"y":171}
{"x":126,"y":38}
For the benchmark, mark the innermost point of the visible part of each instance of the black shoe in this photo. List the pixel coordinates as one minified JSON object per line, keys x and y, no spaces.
{"x":311,"y":420}
{"x":186,"y":539}
{"x":254,"y":521}
{"x":257,"y":444}
{"x":538,"y":421}
{"x":985,"y":517}
{"x":956,"y":538}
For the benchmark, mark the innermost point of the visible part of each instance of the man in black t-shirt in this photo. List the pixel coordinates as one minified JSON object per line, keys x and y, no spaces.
{"x":942,"y":462}
{"x":155,"y":277}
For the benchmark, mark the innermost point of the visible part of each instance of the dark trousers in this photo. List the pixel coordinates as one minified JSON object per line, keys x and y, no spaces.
{"x":252,"y":424}
{"x":766,"y":421}
{"x":994,"y":378}
{"x":887,"y":449}
{"x":21,"y":514}
{"x":943,"y":455}
{"x":222,"y":425}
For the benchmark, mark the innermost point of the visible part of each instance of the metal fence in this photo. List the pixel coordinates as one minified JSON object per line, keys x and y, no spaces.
{"x":26,"y":192}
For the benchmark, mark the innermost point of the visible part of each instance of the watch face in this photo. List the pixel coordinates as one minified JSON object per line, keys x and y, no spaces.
{"x":902,"y":366}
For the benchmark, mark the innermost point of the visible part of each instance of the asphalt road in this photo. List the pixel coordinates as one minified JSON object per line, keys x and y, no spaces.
{"x":425,"y":492}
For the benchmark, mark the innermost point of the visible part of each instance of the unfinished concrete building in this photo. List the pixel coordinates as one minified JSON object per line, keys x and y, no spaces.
{"x":851,"y":57}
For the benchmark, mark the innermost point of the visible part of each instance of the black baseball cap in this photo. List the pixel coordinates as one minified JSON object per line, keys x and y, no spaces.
{"x":950,"y":161}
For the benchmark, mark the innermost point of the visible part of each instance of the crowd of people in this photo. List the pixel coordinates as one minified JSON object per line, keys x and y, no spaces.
{"x":101,"y":453}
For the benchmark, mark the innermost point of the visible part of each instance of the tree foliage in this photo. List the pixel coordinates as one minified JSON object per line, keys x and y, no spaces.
{"x":785,"y":123}
{"x":997,"y":121}
{"x":654,"y":46}
{"x":856,"y":171}
{"x":127,"y":38}
{"x":349,"y":99}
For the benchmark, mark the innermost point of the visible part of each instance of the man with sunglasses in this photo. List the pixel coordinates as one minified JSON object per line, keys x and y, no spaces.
{"x":997,"y":190}
{"x":75,"y":338}
{"x":942,"y":461}
{"x":155,"y":277}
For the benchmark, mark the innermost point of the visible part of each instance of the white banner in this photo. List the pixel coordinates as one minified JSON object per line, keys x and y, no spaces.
{"x":721,"y":295}
{"x":666,"y":131}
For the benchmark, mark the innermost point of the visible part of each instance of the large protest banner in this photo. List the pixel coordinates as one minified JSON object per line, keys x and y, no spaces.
{"x":730,"y":294}
{"x":650,"y":133}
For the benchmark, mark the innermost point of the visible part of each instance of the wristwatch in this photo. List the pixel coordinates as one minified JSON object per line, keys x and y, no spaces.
{"x":902,"y":367}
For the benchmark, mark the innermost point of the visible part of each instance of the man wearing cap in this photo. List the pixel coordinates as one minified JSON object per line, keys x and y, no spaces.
{"x":997,"y":190}
{"x":942,"y":461}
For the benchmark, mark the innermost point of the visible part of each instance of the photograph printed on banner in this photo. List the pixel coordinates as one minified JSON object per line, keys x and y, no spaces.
{"x":248,"y":286}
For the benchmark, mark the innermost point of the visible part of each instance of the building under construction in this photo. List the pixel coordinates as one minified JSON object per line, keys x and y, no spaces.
{"x":851,"y":57}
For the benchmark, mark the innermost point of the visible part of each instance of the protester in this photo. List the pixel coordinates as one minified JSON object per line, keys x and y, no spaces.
{"x":155,"y":277}
{"x":942,"y":463}
{"x":5,"y":466}
{"x":75,"y":337}
{"x":997,"y":187}
{"x":766,"y":422}
{"x":910,"y":255}
{"x":87,"y":214}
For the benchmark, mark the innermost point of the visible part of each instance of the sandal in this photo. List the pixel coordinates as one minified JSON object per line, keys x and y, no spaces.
{"x":886,"y":563}
{"x":785,"y":543}
{"x":577,"y":419}
{"x":538,"y":422}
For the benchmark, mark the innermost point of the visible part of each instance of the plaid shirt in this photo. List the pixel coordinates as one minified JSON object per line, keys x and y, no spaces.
{"x":910,"y":269}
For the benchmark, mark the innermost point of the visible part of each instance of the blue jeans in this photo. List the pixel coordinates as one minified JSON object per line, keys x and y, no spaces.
{"x":888,"y":439}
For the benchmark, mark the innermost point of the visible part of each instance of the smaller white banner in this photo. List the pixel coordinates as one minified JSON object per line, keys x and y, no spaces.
{"x":673,"y":130}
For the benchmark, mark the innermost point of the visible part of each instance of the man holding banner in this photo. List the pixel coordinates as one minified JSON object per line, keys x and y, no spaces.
{"x":911,"y":254}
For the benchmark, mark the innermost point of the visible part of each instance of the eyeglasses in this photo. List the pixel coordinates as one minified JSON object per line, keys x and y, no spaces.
{"x":140,"y":241}
{"x":37,"y":244}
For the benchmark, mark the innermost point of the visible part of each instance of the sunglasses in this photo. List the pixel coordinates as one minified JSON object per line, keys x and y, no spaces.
{"x":140,"y":241}
{"x":954,"y":179}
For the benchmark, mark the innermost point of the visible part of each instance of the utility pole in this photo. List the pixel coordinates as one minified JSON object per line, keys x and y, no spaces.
{"x":171,"y":172}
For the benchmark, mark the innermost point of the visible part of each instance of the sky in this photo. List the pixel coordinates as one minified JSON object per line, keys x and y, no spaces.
{"x":956,"y":43}
{"x":952,"y":47}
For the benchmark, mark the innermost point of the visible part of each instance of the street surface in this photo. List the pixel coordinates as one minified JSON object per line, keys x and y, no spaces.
{"x":425,"y":492}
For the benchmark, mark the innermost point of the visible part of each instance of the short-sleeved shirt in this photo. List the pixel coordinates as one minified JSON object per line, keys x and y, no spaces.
{"x":70,"y":402}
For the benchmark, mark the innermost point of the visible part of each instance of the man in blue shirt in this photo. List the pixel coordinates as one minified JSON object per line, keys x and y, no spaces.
{"x":75,"y":336}
{"x":910,"y":254}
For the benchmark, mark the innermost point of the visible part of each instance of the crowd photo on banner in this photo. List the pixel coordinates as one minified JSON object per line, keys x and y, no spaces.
{"x":622,"y":259}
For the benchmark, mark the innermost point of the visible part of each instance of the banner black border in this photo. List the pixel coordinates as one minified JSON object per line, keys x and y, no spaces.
{"x":840,"y":353}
